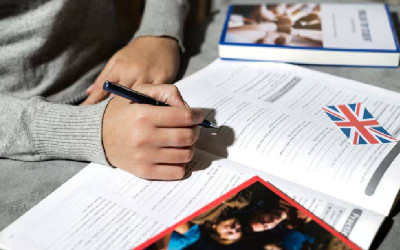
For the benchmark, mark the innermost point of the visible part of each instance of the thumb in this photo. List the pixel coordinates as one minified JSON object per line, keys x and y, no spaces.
{"x":164,"y":93}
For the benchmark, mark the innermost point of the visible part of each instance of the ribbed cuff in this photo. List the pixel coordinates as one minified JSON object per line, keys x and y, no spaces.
{"x":70,"y":132}
{"x":164,"y":18}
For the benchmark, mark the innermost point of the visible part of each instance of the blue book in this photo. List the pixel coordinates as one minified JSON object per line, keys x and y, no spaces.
{"x":359,"y":34}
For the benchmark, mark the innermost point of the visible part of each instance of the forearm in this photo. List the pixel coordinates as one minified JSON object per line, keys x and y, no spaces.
{"x":164,"y":18}
{"x":35,"y":129}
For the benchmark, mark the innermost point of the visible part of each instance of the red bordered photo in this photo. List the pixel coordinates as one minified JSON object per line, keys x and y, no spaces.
{"x":254,"y":215}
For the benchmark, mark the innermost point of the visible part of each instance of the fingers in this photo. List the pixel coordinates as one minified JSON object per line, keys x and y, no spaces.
{"x":98,"y":83}
{"x":168,"y":117}
{"x":151,"y":142}
{"x":174,"y":155}
{"x":165,"y":93}
{"x":165,"y":163}
{"x":160,"y":81}
{"x":139,"y":81}
{"x":163,"y":172}
{"x":177,"y":137}
{"x":169,"y":94}
{"x":95,"y":91}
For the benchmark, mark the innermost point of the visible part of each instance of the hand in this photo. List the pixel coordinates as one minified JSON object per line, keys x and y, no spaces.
{"x":144,"y":60}
{"x":151,"y":142}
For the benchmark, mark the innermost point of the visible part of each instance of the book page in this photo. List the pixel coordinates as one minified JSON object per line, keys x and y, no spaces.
{"x":358,"y":224}
{"x":106,"y":208}
{"x":273,"y":121}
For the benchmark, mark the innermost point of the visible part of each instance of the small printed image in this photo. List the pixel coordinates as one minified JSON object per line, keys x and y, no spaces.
{"x":253,"y":218}
{"x":282,"y":24}
{"x":357,"y":124}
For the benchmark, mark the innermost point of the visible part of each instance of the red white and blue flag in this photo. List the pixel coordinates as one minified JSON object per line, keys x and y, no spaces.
{"x":359,"y":126}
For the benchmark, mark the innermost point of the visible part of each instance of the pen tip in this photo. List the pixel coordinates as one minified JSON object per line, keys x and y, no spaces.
{"x":212,"y":125}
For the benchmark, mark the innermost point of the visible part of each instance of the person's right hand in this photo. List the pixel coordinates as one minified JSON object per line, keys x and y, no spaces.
{"x":151,"y":142}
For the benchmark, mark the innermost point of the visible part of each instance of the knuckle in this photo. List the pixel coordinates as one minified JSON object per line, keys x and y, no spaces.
{"x":163,"y":78}
{"x":136,"y":141}
{"x":188,"y":155}
{"x":196,"y":133}
{"x":179,"y":172}
{"x":168,"y":77}
{"x":188,"y":115}
{"x":172,"y":88}
{"x":144,"y":171}
{"x":141,"y":117}
{"x":187,"y":138}
{"x":191,"y":137}
{"x":142,"y":141}
{"x":140,"y":157}
{"x":161,"y":81}
{"x":136,"y":70}
{"x":116,"y":60}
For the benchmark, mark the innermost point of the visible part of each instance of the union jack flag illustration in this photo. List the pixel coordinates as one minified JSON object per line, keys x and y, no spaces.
{"x":359,"y":126}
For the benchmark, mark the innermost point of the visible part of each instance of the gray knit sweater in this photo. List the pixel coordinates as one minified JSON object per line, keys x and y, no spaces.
{"x":50,"y":52}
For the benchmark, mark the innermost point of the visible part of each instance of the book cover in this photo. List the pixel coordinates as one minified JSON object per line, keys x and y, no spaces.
{"x":310,"y":33}
{"x":253,"y":215}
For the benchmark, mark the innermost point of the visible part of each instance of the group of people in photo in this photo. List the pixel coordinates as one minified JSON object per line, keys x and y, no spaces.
{"x":276,"y":24}
{"x":254,"y":218}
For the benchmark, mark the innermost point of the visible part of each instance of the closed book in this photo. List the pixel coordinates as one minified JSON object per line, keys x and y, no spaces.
{"x":310,"y":33}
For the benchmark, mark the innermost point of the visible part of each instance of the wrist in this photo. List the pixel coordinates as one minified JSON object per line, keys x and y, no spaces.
{"x":167,"y":40}
{"x":70,"y":132}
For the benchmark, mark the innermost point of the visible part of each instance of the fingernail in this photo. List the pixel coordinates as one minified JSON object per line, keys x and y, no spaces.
{"x":200,"y":114}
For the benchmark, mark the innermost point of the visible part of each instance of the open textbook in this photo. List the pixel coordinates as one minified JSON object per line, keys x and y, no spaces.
{"x":273,"y":126}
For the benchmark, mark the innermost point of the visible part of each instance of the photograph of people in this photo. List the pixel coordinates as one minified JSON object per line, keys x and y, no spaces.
{"x":276,"y":24}
{"x":254,"y":218}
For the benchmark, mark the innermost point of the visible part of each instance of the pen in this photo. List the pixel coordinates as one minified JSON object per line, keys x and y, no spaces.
{"x":137,"y":97}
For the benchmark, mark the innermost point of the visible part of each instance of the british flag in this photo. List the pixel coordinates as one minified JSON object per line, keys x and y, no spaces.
{"x":358,"y":124}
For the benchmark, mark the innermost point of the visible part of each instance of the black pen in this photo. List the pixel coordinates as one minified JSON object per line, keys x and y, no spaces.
{"x":137,"y":97}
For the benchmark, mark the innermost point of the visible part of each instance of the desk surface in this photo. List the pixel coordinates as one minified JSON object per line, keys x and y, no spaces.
{"x":24,"y":184}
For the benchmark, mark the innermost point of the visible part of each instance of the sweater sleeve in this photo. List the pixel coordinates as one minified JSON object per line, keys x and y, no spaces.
{"x":34,"y":129}
{"x":164,"y":18}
